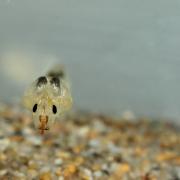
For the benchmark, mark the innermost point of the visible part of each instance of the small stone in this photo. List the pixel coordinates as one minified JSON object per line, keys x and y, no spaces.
{"x":99,"y":125}
{"x":45,"y":176}
{"x":70,"y":170}
{"x":4,"y":144}
{"x":32,"y":165}
{"x":16,"y":138}
{"x":35,"y":140}
{"x":96,"y":167}
{"x":94,"y":143}
{"x":86,"y":174}
{"x":3,"y":156}
{"x":61,"y":178}
{"x":58,"y":161}
{"x":113,"y":148}
{"x":83,"y":131}
{"x":3,"y":172}
{"x":98,"y":174}
{"x":128,"y":115}
{"x":122,"y":169}
{"x":19,"y":174}
{"x":177,"y":160}
{"x":32,"y":173}
{"x":63,"y":154}
{"x":27,"y":131}
{"x":59,"y":172}
{"x":79,"y":161}
{"x":165,"y":156}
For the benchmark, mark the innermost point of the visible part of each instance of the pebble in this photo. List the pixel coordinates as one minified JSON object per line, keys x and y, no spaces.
{"x":94,"y":143}
{"x":58,"y":161}
{"x":45,"y":176}
{"x":3,"y":172}
{"x":87,"y":174}
{"x":35,"y":140}
{"x":61,"y":178}
{"x":32,"y":173}
{"x":4,"y":144}
{"x":113,"y":148}
{"x":83,"y":131}
{"x":97,"y":174}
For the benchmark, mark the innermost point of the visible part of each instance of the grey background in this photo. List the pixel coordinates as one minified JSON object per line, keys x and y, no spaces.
{"x":120,"y":54}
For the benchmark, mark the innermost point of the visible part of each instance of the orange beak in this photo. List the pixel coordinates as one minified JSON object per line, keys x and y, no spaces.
{"x":43,"y":123}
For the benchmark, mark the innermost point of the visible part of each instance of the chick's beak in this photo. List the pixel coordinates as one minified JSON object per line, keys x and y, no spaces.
{"x":43,"y":119}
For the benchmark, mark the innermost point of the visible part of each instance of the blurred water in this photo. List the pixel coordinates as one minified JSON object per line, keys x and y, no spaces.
{"x":120,"y":54}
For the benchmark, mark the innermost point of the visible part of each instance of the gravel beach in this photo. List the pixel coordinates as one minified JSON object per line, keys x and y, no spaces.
{"x":88,"y":146}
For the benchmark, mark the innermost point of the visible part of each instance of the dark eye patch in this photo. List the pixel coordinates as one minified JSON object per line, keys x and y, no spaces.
{"x":54,"y":109}
{"x":41,"y":81}
{"x":34,"y":108}
{"x":55,"y":81}
{"x":56,"y":74}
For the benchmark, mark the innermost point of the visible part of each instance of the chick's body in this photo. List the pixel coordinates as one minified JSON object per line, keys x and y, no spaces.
{"x":48,"y":97}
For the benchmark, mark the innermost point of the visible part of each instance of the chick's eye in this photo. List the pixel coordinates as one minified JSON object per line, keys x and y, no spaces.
{"x":34,"y":108}
{"x":54,"y":109}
